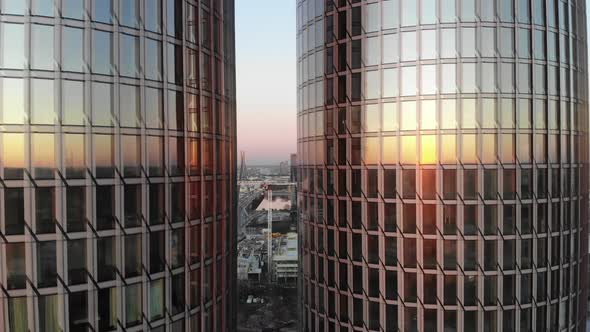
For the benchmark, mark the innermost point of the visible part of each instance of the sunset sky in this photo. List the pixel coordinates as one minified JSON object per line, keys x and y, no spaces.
{"x":266,"y":79}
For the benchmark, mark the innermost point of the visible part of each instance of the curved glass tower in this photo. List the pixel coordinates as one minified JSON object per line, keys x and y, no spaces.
{"x":117,"y":164}
{"x":443,"y":164}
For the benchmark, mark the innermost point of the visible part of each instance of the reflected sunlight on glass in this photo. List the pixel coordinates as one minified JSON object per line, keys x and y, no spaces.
{"x":371,"y":150}
{"x":389,"y":150}
{"x":428,"y":150}
{"x":408,"y":150}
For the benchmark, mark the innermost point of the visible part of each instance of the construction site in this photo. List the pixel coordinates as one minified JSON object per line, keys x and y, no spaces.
{"x":268,"y":264}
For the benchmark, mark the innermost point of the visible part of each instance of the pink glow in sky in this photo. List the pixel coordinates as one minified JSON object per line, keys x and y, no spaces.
{"x":266,"y":80}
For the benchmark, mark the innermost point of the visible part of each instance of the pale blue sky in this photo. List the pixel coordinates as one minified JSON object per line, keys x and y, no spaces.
{"x":266,"y":79}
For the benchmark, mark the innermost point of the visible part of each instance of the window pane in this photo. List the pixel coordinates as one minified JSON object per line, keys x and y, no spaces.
{"x":408,"y":149}
{"x":409,"y":12}
{"x":77,"y":262}
{"x":429,"y":44}
{"x":408,"y":113}
{"x":13,"y":45}
{"x":73,"y":9}
{"x":102,"y":58}
{"x":42,"y":47}
{"x":44,"y":210}
{"x":153,"y":59}
{"x":129,"y":55}
{"x":408,"y":81}
{"x":42,"y":111}
{"x":428,"y":9}
{"x":48,"y":318}
{"x":447,"y":11}
{"x":175,"y":110}
{"x":13,"y":155}
{"x":102,"y":11}
{"x":408,"y":46}
{"x":153,"y":15}
{"x":74,"y":155}
{"x":448,"y":149}
{"x":389,"y":120}
{"x":13,"y":101}
{"x":506,"y":42}
{"x":133,"y":304}
{"x":46,"y":264}
{"x":104,"y":155}
{"x":428,"y":149}
{"x":14,"y":211}
{"x":468,"y":10}
{"x":468,"y":81}
{"x":43,"y":157}
{"x":488,"y":42}
{"x":15,"y":7}
{"x":468,"y":43}
{"x":428,"y":114}
{"x":106,"y":264}
{"x":129,"y":12}
{"x":17,"y":312}
{"x":73,"y":49}
{"x":488,"y":113}
{"x":372,"y":17}
{"x":153,"y":105}
{"x":107,"y":309}
{"x":131,"y":155}
{"x":76,"y":209}
{"x":371,"y":150}
{"x":129,"y":106}
{"x":448,"y":116}
{"x":448,"y":49}
{"x":155,"y":155}
{"x":42,"y":7}
{"x":428,"y":80}
{"x":372,"y":84}
{"x":105,"y":207}
{"x":132,"y":255}
{"x":102,"y":104}
{"x":390,"y":14}
{"x":448,"y":78}
{"x":73,"y":103}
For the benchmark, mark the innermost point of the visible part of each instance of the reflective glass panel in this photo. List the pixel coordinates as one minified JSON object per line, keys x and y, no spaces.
{"x":43,"y":155}
{"x":42,"y":47}
{"x":102,"y":104}
{"x":72,"y":49}
{"x":129,"y":106}
{"x":73,"y":9}
{"x":102,"y":55}
{"x":129,"y":55}
{"x":42,"y":103}
{"x":13,"y":45}
{"x":73,"y":103}
{"x":13,"y":101}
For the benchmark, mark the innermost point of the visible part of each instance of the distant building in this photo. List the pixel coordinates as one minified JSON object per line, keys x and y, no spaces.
{"x":285,"y":259}
{"x":293,"y":167}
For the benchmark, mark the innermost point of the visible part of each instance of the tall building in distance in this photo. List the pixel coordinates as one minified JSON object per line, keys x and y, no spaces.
{"x":443,"y":164}
{"x":117,"y":165}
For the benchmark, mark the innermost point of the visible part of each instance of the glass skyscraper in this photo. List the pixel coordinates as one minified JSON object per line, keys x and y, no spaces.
{"x":117,"y":165}
{"x":443,"y":164}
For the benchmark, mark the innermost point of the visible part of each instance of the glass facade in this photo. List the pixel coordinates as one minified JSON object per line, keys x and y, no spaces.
{"x":117,"y":164}
{"x":443,"y":162}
